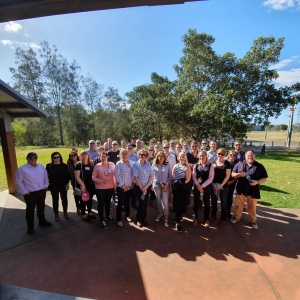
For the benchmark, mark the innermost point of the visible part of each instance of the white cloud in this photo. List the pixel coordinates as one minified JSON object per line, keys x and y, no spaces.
{"x":28,"y":45}
{"x":282,"y":64}
{"x":6,"y":42}
{"x":282,"y":4}
{"x":287,"y":78}
{"x":12,"y":27}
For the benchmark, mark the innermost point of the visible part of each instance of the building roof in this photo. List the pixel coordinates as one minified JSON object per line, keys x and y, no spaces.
{"x":16,"y":105}
{"x":11,"y":10}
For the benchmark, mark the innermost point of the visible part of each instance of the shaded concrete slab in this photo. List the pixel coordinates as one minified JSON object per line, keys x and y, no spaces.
{"x":234,"y":261}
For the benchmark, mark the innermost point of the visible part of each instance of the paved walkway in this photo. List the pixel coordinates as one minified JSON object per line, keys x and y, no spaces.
{"x":77,"y":260}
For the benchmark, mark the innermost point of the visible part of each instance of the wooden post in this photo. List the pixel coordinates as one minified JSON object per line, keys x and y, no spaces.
{"x":9,"y":151}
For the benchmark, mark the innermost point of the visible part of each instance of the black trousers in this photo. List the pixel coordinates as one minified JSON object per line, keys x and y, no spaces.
{"x":55,"y":192}
{"x":143,"y":203}
{"x":103,"y":198}
{"x":123,"y":200}
{"x":180,"y":193}
{"x":32,"y":200}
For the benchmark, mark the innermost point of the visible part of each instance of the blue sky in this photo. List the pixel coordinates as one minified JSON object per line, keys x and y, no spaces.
{"x":122,"y":47}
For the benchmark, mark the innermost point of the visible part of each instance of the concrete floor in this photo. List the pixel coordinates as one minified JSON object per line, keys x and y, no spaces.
{"x":78,"y":260}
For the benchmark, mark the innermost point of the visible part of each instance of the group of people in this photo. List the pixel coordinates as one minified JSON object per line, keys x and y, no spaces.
{"x":169,"y":172}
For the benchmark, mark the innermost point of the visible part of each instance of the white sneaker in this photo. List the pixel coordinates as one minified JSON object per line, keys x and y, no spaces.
{"x":166,"y":224}
{"x":254,"y":225}
{"x":234,"y":220}
{"x":120,"y":224}
{"x":128,"y":219}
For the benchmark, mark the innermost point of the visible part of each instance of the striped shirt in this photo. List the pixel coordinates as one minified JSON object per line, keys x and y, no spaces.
{"x":143,"y":172}
{"x":179,"y":171}
{"x":124,"y":174}
{"x":161,"y":174}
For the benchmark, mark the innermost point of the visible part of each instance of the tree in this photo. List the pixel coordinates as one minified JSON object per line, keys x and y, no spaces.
{"x":62,"y":82}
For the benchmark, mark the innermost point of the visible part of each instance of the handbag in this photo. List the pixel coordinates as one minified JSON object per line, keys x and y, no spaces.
{"x":77,"y":191}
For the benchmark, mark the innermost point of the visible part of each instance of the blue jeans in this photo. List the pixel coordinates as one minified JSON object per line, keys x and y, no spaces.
{"x":162,"y":199}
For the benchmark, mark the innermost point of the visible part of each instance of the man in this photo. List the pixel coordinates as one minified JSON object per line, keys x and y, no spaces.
{"x":173,"y":147}
{"x":114,"y":154}
{"x":98,"y":143}
{"x":109,"y":141}
{"x":203,"y":145}
{"x":123,"y":145}
{"x":131,"y":155}
{"x":92,"y":150}
{"x":250,"y":174}
{"x":240,"y":154}
{"x":138,"y":145}
{"x":212,"y":155}
{"x":32,"y":182}
{"x":153,"y":142}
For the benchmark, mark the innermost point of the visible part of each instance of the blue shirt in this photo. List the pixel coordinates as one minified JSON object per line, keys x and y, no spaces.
{"x":143,"y":172}
{"x":162,"y":174}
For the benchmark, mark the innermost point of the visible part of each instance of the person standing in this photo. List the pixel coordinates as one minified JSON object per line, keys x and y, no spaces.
{"x":32,"y":182}
{"x":181,"y":175}
{"x":71,"y":163}
{"x":240,"y":154}
{"x":124,"y":183}
{"x":83,"y":175}
{"x":203,"y":175}
{"x":105,"y":182}
{"x":231,"y":182}
{"x":221,"y":177}
{"x":143,"y":176}
{"x":59,"y":177}
{"x":162,"y":176}
{"x":114,"y":154}
{"x":92,"y":151}
{"x":212,"y":152}
{"x":250,"y":175}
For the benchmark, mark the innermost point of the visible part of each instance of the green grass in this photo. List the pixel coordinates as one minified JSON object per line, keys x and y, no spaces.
{"x":281,"y":191}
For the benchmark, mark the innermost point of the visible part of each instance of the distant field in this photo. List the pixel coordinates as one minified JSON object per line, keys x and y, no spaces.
{"x":279,"y":137}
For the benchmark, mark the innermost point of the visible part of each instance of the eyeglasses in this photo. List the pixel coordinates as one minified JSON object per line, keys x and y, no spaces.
{"x":220,"y":154}
{"x":143,"y":154}
{"x":56,"y":157}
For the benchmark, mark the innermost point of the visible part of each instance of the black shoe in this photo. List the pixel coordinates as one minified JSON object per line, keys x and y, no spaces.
{"x":45,"y":223}
{"x":92,"y":217}
{"x":145,"y":223}
{"x":86,"y":219}
{"x":30,"y":231}
{"x":110,"y":219}
{"x":178,"y":227}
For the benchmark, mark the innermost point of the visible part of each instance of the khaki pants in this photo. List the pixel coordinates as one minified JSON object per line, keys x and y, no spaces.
{"x":239,"y":204}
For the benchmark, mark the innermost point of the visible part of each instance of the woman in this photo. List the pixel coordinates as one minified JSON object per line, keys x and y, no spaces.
{"x":221,"y":177}
{"x":59,"y":178}
{"x":71,"y":163}
{"x":143,"y":177}
{"x":185,"y":148}
{"x":157,"y":148}
{"x":83,"y":175}
{"x":162,"y":175}
{"x":231,"y":182}
{"x":178,"y":150}
{"x":106,"y":146}
{"x":203,"y":175}
{"x":181,"y":174}
{"x":124,"y":183}
{"x":104,"y":178}
{"x":151,"y":156}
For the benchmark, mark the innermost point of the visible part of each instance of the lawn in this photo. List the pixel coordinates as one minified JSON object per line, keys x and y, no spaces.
{"x":281,"y":191}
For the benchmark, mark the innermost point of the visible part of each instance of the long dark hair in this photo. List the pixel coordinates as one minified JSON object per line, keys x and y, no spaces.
{"x":70,"y":161}
{"x":56,"y":153}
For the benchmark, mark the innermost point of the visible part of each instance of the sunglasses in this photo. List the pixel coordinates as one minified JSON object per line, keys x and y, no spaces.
{"x":92,"y":143}
{"x":72,"y":155}
{"x":32,"y":157}
{"x":220,"y":154}
{"x":204,"y":143}
{"x":142,"y":154}
{"x":232,"y":155}
{"x":166,"y":147}
{"x":55,"y":157}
